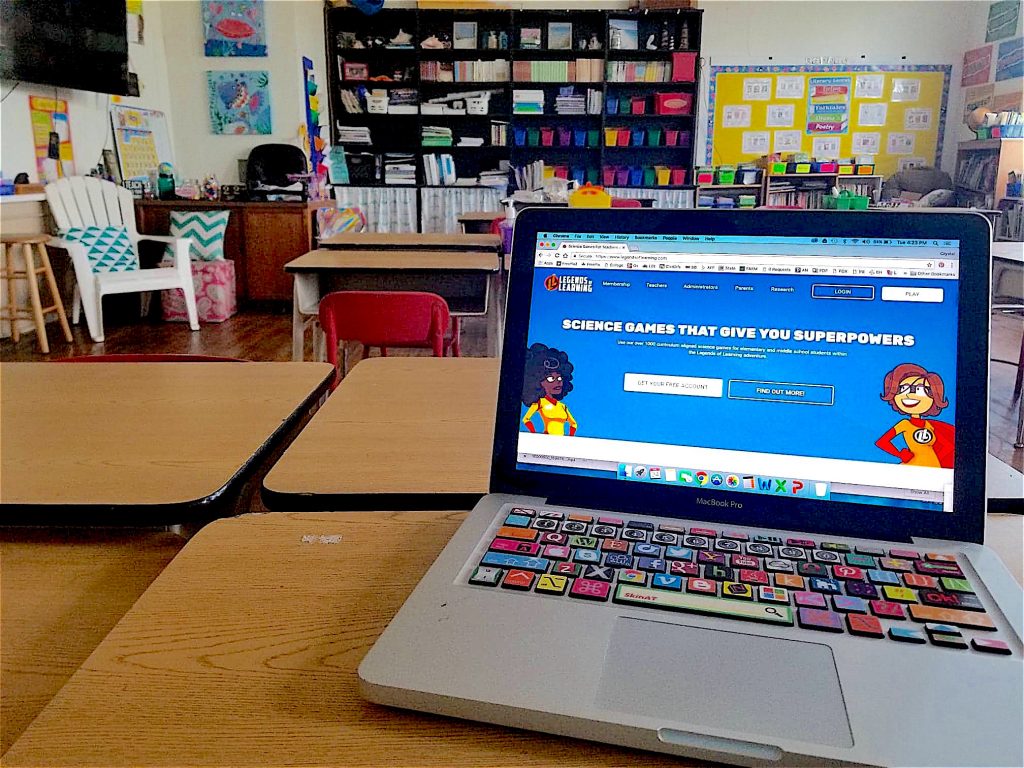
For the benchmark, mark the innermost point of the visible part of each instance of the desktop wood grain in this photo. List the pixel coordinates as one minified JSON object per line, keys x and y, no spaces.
{"x":323,"y":260}
{"x":413,"y":240}
{"x":244,"y":652}
{"x":397,"y":425}
{"x":140,"y":433}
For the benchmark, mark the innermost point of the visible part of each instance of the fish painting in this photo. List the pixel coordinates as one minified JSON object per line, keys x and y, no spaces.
{"x":234,"y":28}
{"x":239,"y":102}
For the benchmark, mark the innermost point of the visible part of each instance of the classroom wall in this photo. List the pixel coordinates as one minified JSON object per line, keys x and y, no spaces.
{"x":88,"y":112}
{"x":295,"y":28}
{"x":749,"y":32}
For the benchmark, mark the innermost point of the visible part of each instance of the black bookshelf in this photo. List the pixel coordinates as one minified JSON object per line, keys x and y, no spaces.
{"x":402,"y":132}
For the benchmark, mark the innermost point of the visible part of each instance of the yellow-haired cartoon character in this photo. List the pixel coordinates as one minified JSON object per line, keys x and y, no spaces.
{"x":546,"y":382}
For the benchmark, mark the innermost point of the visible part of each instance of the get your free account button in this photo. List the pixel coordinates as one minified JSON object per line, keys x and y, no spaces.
{"x":779,"y":392}
{"x":862,"y":292}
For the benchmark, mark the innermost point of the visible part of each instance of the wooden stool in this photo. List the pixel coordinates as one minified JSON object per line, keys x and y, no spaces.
{"x":10,"y":244}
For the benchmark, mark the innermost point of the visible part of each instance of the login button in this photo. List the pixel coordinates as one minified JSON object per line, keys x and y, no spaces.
{"x":826,"y":291}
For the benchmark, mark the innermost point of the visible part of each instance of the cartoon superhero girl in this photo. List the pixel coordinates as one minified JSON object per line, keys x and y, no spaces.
{"x":915,"y":393}
{"x":547,"y":380}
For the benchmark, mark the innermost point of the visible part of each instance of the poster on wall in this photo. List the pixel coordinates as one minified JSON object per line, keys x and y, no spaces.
{"x":51,"y":135}
{"x":1010,"y":59}
{"x":141,"y":139}
{"x":978,"y":96}
{"x":239,"y":102}
{"x":828,"y":104}
{"x":1003,"y":18}
{"x":234,"y":28}
{"x":977,"y":66}
{"x":1012,"y":101}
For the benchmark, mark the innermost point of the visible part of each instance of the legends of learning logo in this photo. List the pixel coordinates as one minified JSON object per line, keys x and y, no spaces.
{"x":569,"y":283}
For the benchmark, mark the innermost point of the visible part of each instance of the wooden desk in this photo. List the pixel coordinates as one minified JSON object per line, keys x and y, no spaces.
{"x":244,"y":652}
{"x":260,"y":238}
{"x":439,"y":411}
{"x":467,"y":280}
{"x":478,"y":222}
{"x":412,"y":241}
{"x":142,"y":443}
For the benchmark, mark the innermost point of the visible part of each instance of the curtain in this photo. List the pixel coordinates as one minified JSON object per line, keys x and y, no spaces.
{"x":387,"y":209}
{"x":441,"y":206}
{"x":663,"y":198}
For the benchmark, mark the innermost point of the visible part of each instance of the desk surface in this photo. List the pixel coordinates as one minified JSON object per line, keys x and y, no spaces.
{"x":480,"y":216}
{"x":244,"y":652}
{"x":413,"y":241}
{"x":323,"y":260}
{"x":345,"y":458}
{"x":120,"y":434}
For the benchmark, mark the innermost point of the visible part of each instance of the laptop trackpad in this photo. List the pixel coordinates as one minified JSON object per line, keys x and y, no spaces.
{"x":725,"y":679}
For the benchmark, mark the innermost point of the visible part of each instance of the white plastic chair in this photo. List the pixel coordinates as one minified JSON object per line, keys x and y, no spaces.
{"x":85,"y":201}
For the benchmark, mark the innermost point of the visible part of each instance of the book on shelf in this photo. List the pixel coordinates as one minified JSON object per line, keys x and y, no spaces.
{"x":399,"y":168}
{"x":436,"y":136}
{"x":438,"y":170}
{"x":353,"y":134}
{"x":465,"y":71}
{"x":527,"y":102}
{"x":578,"y":71}
{"x":638,"y":71}
{"x":499,"y":133}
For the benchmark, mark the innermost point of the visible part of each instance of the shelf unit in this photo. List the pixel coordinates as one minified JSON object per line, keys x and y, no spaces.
{"x":344,"y":24}
{"x":806,"y":189}
{"x":982,"y":167}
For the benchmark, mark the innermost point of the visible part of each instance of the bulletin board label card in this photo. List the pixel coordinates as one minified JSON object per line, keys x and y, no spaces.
{"x":837,"y":111}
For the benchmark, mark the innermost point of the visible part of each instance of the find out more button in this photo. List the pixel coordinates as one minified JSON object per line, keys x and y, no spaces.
{"x":781,"y":392}
{"x":826,"y":291}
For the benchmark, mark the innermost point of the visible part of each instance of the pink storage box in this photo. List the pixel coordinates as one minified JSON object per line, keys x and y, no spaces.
{"x":215,"y":293}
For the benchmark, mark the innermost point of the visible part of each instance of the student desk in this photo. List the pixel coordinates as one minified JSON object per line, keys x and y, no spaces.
{"x":244,"y":652}
{"x":467,"y":280}
{"x":478,"y":222}
{"x":399,"y":432}
{"x":414,"y":241}
{"x":142,"y":443}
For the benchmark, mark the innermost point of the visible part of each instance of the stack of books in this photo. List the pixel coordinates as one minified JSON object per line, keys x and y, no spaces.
{"x":497,"y":178}
{"x":436,"y":136}
{"x":399,"y":168}
{"x":470,"y":141}
{"x":527,"y":102}
{"x":568,"y":102}
{"x":353,"y":134}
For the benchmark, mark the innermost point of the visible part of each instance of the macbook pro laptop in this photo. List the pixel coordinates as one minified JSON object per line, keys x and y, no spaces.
{"x":738,"y":500}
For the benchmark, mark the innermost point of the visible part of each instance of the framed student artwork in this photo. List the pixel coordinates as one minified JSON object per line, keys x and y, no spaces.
{"x":559,"y":35}
{"x":464,"y":34}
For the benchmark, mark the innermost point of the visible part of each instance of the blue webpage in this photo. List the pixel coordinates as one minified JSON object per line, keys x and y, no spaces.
{"x":735,"y":365}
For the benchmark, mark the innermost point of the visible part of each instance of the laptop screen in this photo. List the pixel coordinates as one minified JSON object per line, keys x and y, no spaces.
{"x":818,"y":368}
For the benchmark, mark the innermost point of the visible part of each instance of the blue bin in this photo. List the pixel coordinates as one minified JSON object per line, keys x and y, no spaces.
{"x":579,"y":175}
{"x":611,"y":105}
{"x":636,"y":177}
{"x":520,"y":137}
{"x":579,"y":138}
{"x":637,"y":137}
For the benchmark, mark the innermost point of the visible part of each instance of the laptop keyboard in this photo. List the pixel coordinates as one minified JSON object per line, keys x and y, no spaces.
{"x":899,"y":594}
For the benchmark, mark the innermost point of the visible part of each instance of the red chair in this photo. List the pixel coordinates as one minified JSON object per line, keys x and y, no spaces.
{"x":155,"y":358}
{"x":384,"y":319}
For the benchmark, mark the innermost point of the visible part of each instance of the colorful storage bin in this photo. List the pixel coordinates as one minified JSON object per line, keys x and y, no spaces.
{"x":214,"y":283}
{"x":547,"y":137}
{"x":676,"y":103}
{"x":611,"y":137}
{"x":623,"y":137}
{"x":565,"y":137}
{"x":638,"y":105}
{"x":654,"y":137}
{"x":593,"y":138}
{"x":678,"y":176}
{"x":579,"y":138}
{"x":637,"y":137}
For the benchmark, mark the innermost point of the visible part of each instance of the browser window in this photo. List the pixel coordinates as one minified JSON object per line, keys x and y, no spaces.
{"x":811,"y":367}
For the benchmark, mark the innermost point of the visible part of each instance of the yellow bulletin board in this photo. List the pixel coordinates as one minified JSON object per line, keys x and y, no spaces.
{"x":897,"y":114}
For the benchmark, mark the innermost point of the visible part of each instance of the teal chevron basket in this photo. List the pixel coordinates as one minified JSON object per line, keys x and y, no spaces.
{"x":206,"y":228}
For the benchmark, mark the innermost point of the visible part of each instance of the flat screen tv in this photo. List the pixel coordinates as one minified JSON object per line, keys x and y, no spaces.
{"x":80,"y":44}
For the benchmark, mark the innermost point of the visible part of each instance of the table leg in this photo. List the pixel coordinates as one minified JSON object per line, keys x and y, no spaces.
{"x":297,"y":323}
{"x":494,"y":312}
